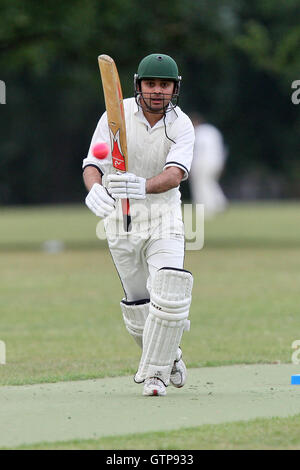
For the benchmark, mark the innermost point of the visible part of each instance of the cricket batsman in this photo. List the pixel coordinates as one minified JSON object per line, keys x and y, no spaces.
{"x":149,"y":259}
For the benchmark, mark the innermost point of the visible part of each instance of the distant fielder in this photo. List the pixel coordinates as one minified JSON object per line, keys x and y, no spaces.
{"x":208,"y":164}
{"x":150,"y":257}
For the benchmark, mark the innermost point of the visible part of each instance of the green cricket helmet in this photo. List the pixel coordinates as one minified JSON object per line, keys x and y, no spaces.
{"x":158,"y":66}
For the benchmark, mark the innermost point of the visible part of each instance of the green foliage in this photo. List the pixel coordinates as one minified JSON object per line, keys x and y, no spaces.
{"x":237,"y":60}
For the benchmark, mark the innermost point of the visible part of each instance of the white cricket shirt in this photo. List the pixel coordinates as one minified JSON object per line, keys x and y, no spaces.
{"x":149,"y":153}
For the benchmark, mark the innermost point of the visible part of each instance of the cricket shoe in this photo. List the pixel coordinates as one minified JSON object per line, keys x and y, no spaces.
{"x":154,"y":387}
{"x":178,"y":372}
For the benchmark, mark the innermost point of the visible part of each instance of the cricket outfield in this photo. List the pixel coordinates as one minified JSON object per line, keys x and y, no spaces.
{"x":68,"y":382}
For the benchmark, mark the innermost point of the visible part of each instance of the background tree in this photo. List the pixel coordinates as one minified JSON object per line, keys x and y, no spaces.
{"x":237,"y":59}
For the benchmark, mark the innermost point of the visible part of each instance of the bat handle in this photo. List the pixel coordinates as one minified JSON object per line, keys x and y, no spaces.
{"x":126,"y":215}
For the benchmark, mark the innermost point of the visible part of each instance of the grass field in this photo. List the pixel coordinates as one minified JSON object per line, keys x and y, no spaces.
{"x":259,"y":434}
{"x":60,"y":315}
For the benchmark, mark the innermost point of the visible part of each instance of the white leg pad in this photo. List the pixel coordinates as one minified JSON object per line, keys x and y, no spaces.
{"x":135,"y":315}
{"x":169,"y":309}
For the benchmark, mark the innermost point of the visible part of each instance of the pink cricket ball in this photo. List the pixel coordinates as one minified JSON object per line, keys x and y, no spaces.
{"x":101,"y":150}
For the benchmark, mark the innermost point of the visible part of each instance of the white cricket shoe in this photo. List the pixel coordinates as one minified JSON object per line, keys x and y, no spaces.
{"x":178,"y":372}
{"x":154,"y":387}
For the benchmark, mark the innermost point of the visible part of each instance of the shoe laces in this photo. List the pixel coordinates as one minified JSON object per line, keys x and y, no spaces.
{"x":156,"y":381}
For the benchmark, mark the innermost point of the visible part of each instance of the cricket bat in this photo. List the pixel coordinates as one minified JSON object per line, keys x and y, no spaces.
{"x":116,"y":122}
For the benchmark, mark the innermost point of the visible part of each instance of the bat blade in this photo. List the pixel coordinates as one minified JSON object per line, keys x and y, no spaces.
{"x":116,"y":122}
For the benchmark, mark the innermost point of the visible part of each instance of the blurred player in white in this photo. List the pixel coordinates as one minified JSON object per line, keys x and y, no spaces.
{"x":150,"y":258}
{"x":208,"y":164}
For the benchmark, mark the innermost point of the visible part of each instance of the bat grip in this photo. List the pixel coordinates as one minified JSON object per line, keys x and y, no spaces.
{"x":126,"y":215}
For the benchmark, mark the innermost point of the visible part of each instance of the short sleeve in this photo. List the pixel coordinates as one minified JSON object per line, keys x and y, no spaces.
{"x":182,"y":150}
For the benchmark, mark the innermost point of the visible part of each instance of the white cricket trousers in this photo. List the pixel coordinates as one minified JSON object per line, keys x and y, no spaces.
{"x":137,"y":259}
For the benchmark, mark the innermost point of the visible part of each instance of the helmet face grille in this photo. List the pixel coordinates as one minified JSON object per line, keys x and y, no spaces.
{"x":158,"y":66}
{"x":167,"y":108}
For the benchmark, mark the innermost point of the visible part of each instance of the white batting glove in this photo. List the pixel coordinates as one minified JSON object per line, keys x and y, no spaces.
{"x":99,"y":201}
{"x":126,"y":186}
